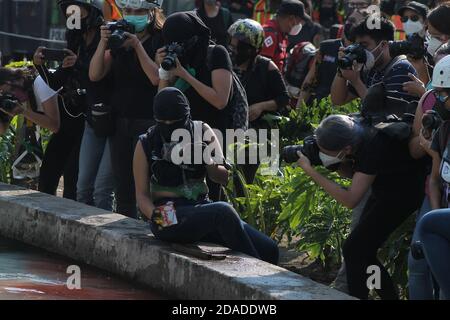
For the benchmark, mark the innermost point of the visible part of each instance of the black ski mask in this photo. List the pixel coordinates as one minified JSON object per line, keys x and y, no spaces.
{"x":243,"y":53}
{"x":183,"y":28}
{"x":170,"y":104}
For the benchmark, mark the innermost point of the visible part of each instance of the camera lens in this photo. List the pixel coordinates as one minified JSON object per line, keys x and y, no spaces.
{"x":290,"y":153}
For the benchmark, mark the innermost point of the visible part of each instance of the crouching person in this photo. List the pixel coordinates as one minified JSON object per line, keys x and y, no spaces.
{"x":175,"y":196}
{"x":372,"y":159}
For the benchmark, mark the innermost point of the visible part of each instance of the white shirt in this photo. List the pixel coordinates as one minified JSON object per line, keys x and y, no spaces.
{"x":42,"y":92}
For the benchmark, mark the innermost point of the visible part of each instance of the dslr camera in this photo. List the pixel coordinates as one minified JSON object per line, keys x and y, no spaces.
{"x":413,"y":46}
{"x":309,"y":148}
{"x":354,"y":52}
{"x":431,"y":121}
{"x":174,"y":51}
{"x":8,"y":102}
{"x":118,"y":29}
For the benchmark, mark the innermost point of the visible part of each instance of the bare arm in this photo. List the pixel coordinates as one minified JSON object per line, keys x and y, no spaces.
{"x":350,"y":197}
{"x":218,"y":94}
{"x":415,"y":149}
{"x":340,"y":94}
{"x":305,"y":92}
{"x":50,"y":119}
{"x":102,"y":59}
{"x":435,"y":182}
{"x":216,"y":172}
{"x":141,"y":173}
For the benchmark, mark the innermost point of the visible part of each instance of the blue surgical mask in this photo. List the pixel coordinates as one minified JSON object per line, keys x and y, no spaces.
{"x":139,"y":22}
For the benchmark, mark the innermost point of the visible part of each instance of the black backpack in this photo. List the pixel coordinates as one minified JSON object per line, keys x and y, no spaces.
{"x":236,"y":110}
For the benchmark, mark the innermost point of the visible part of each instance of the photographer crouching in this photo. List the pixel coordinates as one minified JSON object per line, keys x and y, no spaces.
{"x":373,"y":160}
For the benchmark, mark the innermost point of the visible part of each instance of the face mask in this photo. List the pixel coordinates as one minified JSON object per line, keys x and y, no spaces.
{"x":329,"y":160}
{"x":370,"y":61}
{"x":379,"y":55}
{"x":433,"y":45}
{"x":296,"y":29}
{"x":412,"y":27}
{"x":139,"y":22}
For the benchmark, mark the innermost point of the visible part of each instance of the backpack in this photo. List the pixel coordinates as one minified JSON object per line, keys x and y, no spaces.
{"x":298,"y":63}
{"x":236,"y":110}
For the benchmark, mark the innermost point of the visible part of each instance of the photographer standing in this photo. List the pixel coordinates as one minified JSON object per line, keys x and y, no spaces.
{"x":372,"y":159}
{"x":129,"y":59}
{"x":354,"y":80}
{"x":62,"y":153}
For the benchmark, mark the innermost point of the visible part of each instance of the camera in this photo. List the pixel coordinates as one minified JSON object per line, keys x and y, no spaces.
{"x":354,"y":52}
{"x":309,"y":148}
{"x":431,"y":121}
{"x":8,"y":102}
{"x":174,"y":50}
{"x":118,"y":29}
{"x":413,"y":46}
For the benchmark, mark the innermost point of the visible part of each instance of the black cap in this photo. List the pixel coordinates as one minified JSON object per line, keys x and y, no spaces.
{"x":293,"y":8}
{"x":418,"y":7}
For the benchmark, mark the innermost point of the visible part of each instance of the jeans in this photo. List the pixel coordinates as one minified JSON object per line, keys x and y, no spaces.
{"x":218,"y":223}
{"x":95,"y":177}
{"x":434,"y":233}
{"x":123,"y":144}
{"x":420,"y":280}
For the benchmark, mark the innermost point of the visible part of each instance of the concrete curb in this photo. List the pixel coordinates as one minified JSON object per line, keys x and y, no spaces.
{"x":126,"y":247}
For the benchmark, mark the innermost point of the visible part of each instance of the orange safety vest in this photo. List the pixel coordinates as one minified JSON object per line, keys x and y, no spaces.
{"x":115,"y":12}
{"x":399,"y":32}
{"x":261,"y":13}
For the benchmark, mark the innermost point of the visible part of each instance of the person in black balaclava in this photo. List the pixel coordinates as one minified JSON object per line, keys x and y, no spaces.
{"x":174,"y":197}
{"x":205,"y":78}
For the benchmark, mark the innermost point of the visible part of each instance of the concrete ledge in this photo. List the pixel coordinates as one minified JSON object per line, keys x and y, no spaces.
{"x":126,"y":247}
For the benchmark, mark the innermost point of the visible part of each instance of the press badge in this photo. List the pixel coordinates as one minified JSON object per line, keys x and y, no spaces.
{"x":165,"y":215}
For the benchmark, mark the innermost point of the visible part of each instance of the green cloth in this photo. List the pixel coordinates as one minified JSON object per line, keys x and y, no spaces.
{"x":191,"y":190}
{"x":181,"y":84}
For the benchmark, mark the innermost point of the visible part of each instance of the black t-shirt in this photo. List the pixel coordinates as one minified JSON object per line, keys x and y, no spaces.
{"x":200,"y":108}
{"x":218,"y":25}
{"x":262,"y":84}
{"x":386,"y":158}
{"x":133,"y":92}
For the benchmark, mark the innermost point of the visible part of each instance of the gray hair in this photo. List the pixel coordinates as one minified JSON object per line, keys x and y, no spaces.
{"x":337,"y":132}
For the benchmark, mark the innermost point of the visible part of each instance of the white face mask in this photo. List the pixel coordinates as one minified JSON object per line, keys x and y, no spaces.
{"x":433,"y":44}
{"x":370,"y":61}
{"x":329,"y":160}
{"x":412,"y":27}
{"x":296,"y":29}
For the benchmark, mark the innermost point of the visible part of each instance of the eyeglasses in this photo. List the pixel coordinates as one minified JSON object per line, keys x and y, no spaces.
{"x":414,"y":18}
{"x":358,"y":5}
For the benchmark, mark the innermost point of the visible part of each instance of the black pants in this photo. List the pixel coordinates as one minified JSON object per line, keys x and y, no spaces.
{"x":123,"y":144}
{"x":218,"y":223}
{"x":61,"y":159}
{"x":384,"y":212}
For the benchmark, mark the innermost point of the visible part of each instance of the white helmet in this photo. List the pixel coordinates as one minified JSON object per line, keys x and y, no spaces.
{"x":441,"y":73}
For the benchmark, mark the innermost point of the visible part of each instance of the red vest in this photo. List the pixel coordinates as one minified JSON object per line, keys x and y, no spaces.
{"x":275,"y":44}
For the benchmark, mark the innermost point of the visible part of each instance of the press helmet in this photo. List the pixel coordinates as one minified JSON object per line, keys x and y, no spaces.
{"x":441,"y":73}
